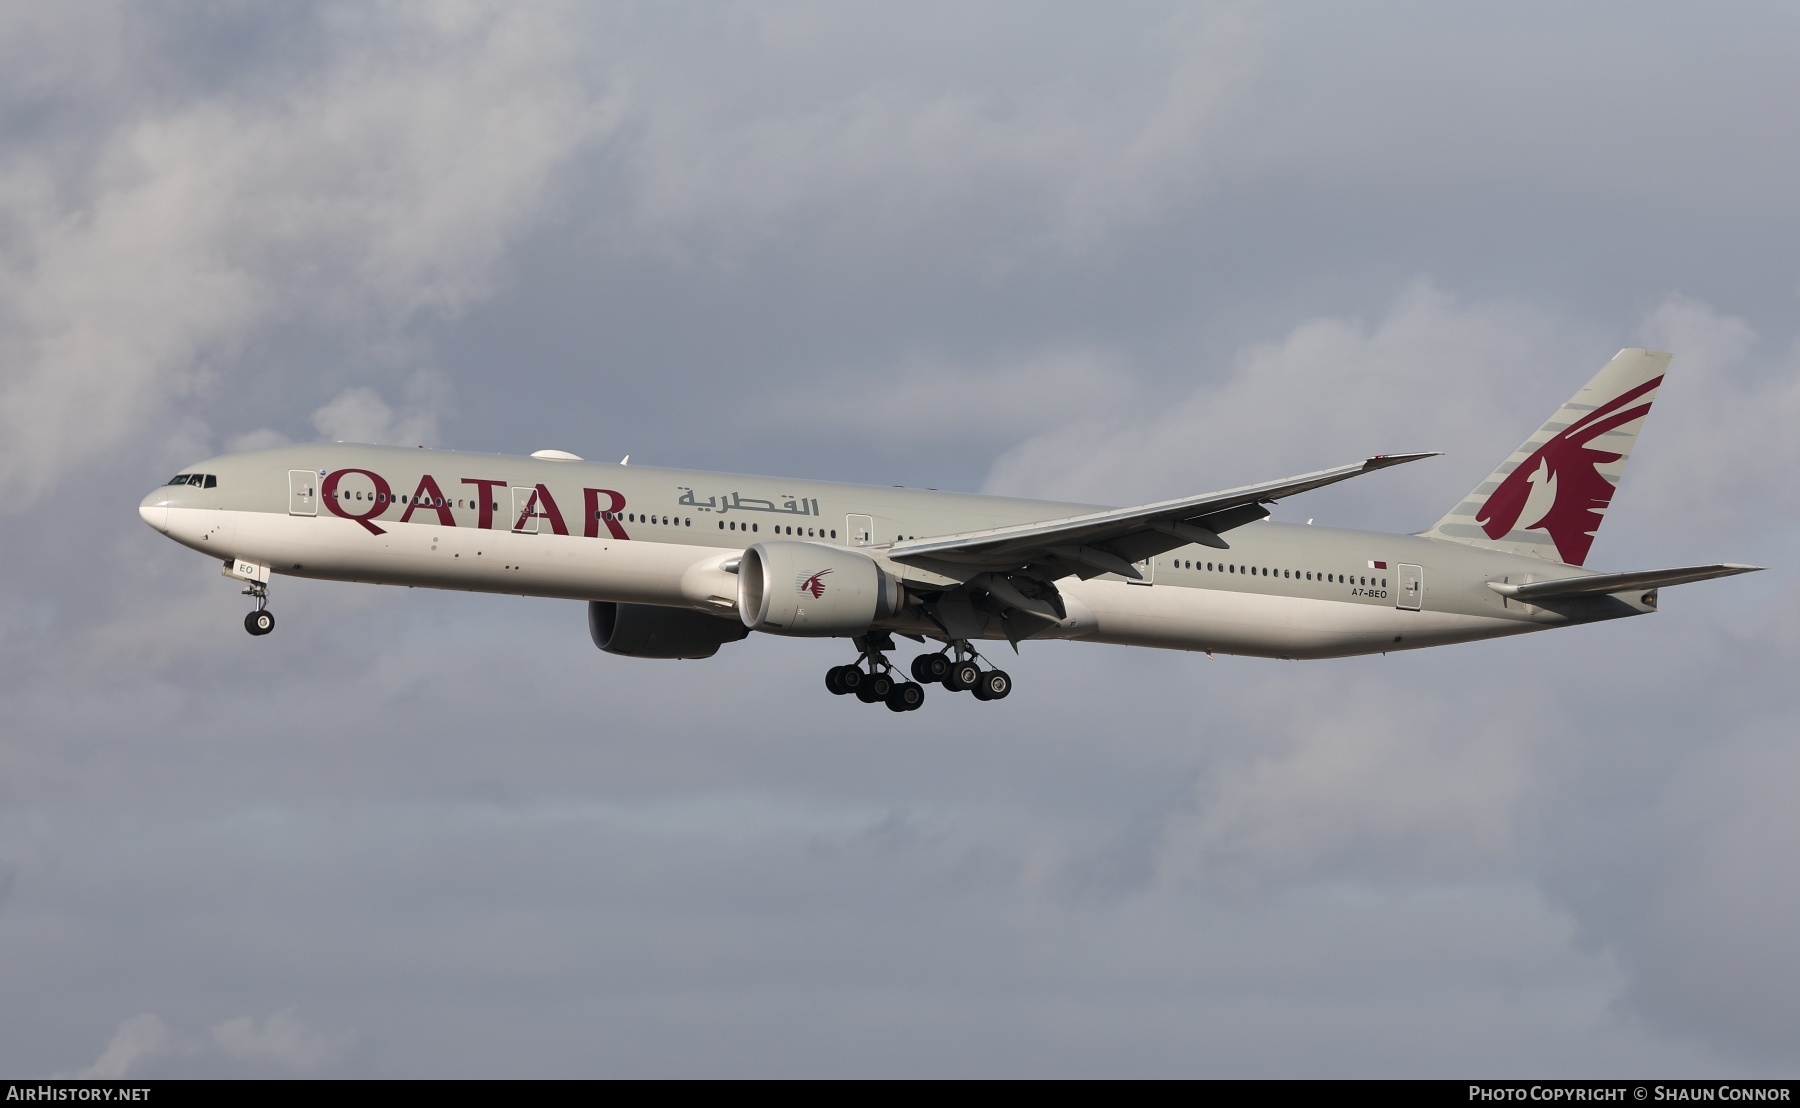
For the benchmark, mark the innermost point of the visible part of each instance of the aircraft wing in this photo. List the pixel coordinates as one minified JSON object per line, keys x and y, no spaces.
{"x":1600,"y":584}
{"x":1109,"y":541}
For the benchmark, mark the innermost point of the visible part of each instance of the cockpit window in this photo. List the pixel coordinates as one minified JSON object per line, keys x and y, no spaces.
{"x":204,"y":480}
{"x":180,"y":479}
{"x":212,"y":481}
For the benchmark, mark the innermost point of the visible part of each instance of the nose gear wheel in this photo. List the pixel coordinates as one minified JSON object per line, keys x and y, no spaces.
{"x":261,"y":621}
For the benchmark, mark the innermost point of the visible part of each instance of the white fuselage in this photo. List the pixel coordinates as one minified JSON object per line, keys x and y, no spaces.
{"x":1278,"y":591}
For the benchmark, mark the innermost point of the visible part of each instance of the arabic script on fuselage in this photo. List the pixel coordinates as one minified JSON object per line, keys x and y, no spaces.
{"x":738,"y":502}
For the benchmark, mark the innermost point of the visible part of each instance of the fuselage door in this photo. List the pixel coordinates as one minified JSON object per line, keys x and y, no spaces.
{"x":861,"y":529}
{"x":303,"y":492}
{"x":1147,"y":567}
{"x":525,"y":511}
{"x":1411,"y":593}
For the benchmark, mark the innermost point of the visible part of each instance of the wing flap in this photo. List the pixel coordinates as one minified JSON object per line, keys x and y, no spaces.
{"x":1600,"y":584}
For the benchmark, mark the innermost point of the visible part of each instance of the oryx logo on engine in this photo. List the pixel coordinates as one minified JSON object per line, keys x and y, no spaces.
{"x":814,"y":585}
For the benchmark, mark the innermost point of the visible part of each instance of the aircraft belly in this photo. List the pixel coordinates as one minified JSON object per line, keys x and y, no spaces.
{"x":1230,"y":622}
{"x":475,"y":560}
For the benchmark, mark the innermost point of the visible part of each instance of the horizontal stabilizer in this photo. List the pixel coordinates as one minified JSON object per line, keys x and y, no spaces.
{"x":1600,"y":584}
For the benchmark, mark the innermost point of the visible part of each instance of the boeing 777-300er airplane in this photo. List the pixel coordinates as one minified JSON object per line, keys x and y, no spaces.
{"x":675,"y":563}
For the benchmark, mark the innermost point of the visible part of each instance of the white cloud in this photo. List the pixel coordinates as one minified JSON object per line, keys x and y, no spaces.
{"x":1433,"y":372}
{"x":845,"y":148}
{"x":1359,"y":779}
{"x":260,"y":439}
{"x":281,"y":1038}
{"x":1720,"y":447}
{"x":359,"y":414}
{"x":927,"y":398}
{"x":139,"y":1037}
{"x":1469,"y":377}
{"x":382,"y":187}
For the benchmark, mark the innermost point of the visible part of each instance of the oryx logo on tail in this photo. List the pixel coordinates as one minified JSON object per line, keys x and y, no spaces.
{"x":1548,"y":498}
{"x":814,"y":585}
{"x":1561,"y":483}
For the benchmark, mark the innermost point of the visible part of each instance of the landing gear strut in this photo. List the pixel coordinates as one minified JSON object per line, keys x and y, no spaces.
{"x":959,"y":670}
{"x":261,"y":621}
{"x":876,"y":684}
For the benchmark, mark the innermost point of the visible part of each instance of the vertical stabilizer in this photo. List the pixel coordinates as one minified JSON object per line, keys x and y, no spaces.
{"x":1548,"y":499}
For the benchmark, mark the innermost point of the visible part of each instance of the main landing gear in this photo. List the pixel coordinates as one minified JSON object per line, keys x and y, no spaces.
{"x":959,"y":671}
{"x":956,"y":669}
{"x":261,"y":621}
{"x":876,"y":684}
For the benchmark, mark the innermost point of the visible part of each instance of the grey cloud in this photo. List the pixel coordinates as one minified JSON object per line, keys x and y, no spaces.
{"x":1725,"y":834}
{"x":854,"y":149}
{"x":1105,"y":257}
{"x":384,"y":186}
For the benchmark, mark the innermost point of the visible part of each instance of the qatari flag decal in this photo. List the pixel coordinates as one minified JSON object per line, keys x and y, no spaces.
{"x":1377,"y":565}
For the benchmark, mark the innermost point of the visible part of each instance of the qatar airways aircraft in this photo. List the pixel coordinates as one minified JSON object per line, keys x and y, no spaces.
{"x":676,"y":563}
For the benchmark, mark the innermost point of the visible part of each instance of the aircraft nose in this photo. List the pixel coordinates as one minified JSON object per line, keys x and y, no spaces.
{"x":155,"y":514}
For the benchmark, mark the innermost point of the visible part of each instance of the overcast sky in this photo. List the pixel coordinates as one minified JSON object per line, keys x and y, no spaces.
{"x":1062,"y":250}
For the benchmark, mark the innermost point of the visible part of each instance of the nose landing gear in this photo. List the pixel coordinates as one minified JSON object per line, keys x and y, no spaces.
{"x":255,"y":576}
{"x":261,"y":621}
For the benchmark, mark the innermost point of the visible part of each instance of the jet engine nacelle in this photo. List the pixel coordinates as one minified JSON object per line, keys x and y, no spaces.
{"x":808,"y":588}
{"x":646,"y":631}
